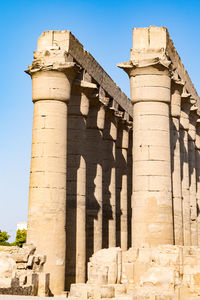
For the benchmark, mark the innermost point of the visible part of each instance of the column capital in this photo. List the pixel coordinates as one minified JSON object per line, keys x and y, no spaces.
{"x":177,"y":83}
{"x":122,"y":135}
{"x":148,"y":66}
{"x":185,"y":110}
{"x":149,"y":78}
{"x":193,"y":117}
{"x":52,"y":60}
{"x":176,"y":90}
{"x":110,"y":126}
{"x":52,"y":73}
{"x":84,"y":84}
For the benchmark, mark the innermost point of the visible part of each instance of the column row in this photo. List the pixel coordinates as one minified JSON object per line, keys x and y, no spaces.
{"x":185,"y":165}
{"x":80,"y":194}
{"x":99,"y":160}
{"x":165,"y":195}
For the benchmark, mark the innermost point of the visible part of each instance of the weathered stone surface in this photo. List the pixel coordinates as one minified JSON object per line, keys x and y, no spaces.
{"x":21,"y":271}
{"x":105,"y":266}
{"x":163,"y":272}
{"x":81,"y":186}
{"x":8,"y":268}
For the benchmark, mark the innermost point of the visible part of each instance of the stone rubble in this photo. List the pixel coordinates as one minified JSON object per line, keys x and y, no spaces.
{"x":163,"y":272}
{"x":21,"y":271}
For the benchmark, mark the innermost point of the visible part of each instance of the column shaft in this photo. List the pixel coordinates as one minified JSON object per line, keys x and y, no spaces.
{"x":81,"y":222}
{"x":152,"y":207}
{"x":110,"y":134}
{"x":98,"y":219}
{"x":192,"y":173}
{"x":176,"y":163}
{"x":152,"y":199}
{"x":112,"y":192}
{"x":130,"y":186}
{"x":176,"y":182}
{"x":197,"y":160}
{"x":124,"y":190}
{"x":98,"y":181}
{"x":122,"y":185}
{"x":47,"y":196}
{"x":94,"y":146}
{"x":184,"y":126}
{"x":124,"y":206}
{"x":76,"y":189}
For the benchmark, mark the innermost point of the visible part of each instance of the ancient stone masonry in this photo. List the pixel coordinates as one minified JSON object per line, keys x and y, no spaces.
{"x":109,"y":172}
{"x":79,"y":187}
{"x":21,"y":272}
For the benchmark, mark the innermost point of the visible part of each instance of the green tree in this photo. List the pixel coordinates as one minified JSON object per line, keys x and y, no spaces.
{"x":4,"y":236}
{"x":20,"y":237}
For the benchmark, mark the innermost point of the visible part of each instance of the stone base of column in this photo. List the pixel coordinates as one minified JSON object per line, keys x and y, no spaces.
{"x":158,"y":273}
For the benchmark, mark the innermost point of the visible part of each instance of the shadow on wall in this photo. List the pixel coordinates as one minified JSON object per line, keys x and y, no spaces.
{"x":94,"y":178}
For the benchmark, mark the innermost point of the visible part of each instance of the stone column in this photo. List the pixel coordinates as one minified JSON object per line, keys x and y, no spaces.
{"x":77,"y":180}
{"x":124,"y":192}
{"x":79,"y":131}
{"x":197,"y":159}
{"x":176,"y":161}
{"x":94,"y":146}
{"x":109,"y":136}
{"x":184,"y":126}
{"x":152,"y":199}
{"x":47,"y":197}
{"x":122,"y":185}
{"x":98,"y":226}
{"x":87,"y":88}
{"x":130,"y":185}
{"x":152,"y":202}
{"x":192,"y":173}
{"x":81,"y":222}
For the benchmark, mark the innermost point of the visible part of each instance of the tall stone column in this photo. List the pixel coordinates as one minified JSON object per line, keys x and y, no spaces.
{"x":184,"y":127}
{"x":109,"y":164}
{"x":152,"y":202}
{"x":124,"y":192}
{"x":130,"y":185}
{"x":47,"y":197}
{"x":98,"y":226}
{"x":76,"y":191}
{"x":197,"y":159}
{"x":176,"y":161}
{"x":152,"y":199}
{"x":86,"y":88}
{"x":192,"y":173}
{"x":150,"y":81}
{"x":122,"y":185}
{"x":95,"y":125}
{"x":77,"y":180}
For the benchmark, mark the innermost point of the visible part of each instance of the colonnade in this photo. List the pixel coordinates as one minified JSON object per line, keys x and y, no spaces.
{"x":165,"y":208}
{"x":80,"y":140}
{"x":105,"y":172}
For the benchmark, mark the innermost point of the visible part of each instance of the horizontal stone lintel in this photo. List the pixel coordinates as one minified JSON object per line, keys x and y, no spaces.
{"x":178,"y":65}
{"x":65,"y":40}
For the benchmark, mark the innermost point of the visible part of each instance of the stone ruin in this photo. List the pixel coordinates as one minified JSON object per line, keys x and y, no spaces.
{"x":21,"y":272}
{"x":165,"y":272}
{"x":114,"y":182}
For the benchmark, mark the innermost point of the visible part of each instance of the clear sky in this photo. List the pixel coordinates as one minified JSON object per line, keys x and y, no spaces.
{"x":105,"y":30}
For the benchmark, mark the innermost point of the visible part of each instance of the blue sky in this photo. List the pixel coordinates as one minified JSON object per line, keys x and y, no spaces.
{"x":105,"y":30}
